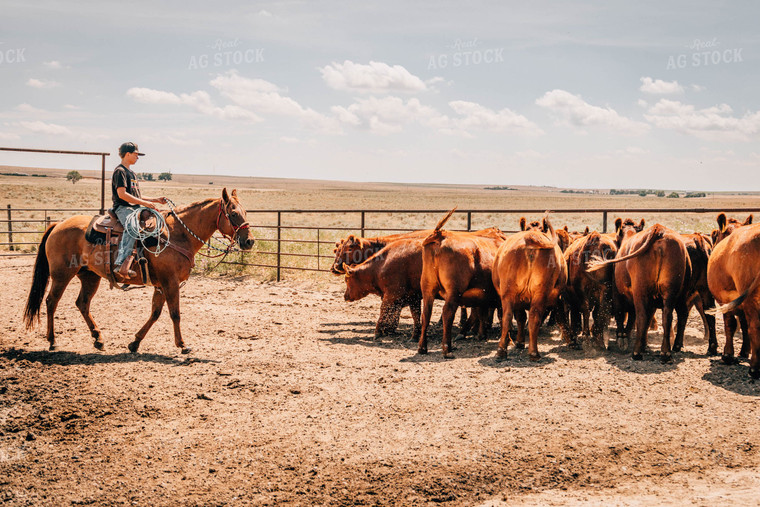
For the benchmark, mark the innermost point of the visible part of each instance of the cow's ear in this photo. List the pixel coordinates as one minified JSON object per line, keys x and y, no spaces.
{"x":722,"y":222}
{"x":566,"y":229}
{"x":641,"y":225}
{"x":714,"y":236}
{"x":748,"y":220}
{"x":618,"y":223}
{"x":585,"y":233}
{"x":522,"y":223}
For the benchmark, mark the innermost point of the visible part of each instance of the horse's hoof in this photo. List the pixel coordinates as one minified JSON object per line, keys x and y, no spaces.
{"x":519,"y":345}
{"x":637,"y":357}
{"x":754,"y":372}
{"x":535,"y":357}
{"x":133,"y":347}
{"x":186,"y":350}
{"x":99,"y":345}
{"x":729,"y":360}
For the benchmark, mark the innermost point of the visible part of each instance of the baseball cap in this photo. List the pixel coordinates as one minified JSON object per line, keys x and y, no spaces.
{"x":129,"y":147}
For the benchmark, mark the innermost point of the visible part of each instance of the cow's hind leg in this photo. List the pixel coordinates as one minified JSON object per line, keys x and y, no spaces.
{"x":90,"y":283}
{"x":448,"y":314}
{"x":643,"y":318}
{"x":427,"y":312}
{"x":682,"y":312}
{"x":667,"y":329}
{"x":521,"y":316}
{"x":744,"y":351}
{"x":729,"y":326}
{"x":506,"y":324}
{"x":155,"y":312}
{"x":534,"y":323}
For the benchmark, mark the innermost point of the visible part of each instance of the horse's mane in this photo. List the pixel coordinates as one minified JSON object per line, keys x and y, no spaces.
{"x":197,"y":204}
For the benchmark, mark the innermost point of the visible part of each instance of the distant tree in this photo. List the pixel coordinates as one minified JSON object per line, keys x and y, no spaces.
{"x":73,"y":176}
{"x":146,"y":176}
{"x":695,"y":194}
{"x":643,"y":193}
{"x":673,"y":195}
{"x":660,"y":193}
{"x":165,"y":177}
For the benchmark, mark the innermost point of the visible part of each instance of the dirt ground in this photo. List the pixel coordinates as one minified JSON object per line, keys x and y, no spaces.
{"x":287,"y":399}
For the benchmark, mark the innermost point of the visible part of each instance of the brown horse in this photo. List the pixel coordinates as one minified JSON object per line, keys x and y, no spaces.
{"x":65,"y":253}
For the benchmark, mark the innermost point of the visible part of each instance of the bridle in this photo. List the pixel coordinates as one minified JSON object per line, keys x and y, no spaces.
{"x":235,"y":228}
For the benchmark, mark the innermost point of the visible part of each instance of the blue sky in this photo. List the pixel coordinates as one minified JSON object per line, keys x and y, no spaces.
{"x":577,"y":94}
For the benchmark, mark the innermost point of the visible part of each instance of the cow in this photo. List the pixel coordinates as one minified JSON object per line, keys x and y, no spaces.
{"x":529,"y":272}
{"x":355,"y":250}
{"x":394,"y":274}
{"x":734,"y":280}
{"x":652,"y":271}
{"x":456,"y":267}
{"x":727,"y":279}
{"x":699,"y":247}
{"x":586,"y":292}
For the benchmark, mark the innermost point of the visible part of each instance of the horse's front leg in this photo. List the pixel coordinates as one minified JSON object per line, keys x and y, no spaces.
{"x":155,"y":313}
{"x":171,"y":291}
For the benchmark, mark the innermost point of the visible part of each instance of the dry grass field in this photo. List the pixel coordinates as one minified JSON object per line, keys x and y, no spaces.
{"x":288,"y":399}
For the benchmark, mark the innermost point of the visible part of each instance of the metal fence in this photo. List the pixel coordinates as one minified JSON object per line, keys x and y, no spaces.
{"x":303,"y":240}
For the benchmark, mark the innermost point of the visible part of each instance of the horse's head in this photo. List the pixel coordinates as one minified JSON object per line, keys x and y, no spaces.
{"x":232,"y":220}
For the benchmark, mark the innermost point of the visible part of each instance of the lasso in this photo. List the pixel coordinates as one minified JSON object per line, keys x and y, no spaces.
{"x":133,"y":228}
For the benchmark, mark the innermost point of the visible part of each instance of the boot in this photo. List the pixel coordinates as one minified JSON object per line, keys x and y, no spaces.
{"x":124,"y":270}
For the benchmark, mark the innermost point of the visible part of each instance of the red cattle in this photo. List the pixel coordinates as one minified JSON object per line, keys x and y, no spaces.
{"x":734,"y":280}
{"x":394,"y":274}
{"x":355,"y":250}
{"x":699,"y":247}
{"x":727,"y":278}
{"x":529,"y":271}
{"x":652,"y":271}
{"x":588,"y":292}
{"x":456,"y":267}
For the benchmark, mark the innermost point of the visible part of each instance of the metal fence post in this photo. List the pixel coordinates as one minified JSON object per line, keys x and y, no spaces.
{"x":279,"y":243}
{"x":604,"y":221}
{"x":318,"y":249}
{"x":362,"y":224}
{"x":10,"y":229}
{"x":469,"y":221}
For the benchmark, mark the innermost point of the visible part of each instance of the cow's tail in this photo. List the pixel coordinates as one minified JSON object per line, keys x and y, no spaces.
{"x":733,"y":305}
{"x":437,"y":234}
{"x":39,"y":283}
{"x":597,"y":263}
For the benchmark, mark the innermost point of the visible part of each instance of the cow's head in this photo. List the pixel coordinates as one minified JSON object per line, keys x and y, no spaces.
{"x":347,"y":251}
{"x":355,"y":289}
{"x":627,"y":227}
{"x":726,"y":226}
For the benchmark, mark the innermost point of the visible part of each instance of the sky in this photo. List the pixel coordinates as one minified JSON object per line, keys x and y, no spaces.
{"x":586,"y":94}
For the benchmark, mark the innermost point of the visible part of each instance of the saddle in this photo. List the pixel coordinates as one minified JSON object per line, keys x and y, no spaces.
{"x":107,"y":230}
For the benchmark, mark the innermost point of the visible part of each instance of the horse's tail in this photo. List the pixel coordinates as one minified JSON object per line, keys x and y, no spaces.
{"x":39,"y":283}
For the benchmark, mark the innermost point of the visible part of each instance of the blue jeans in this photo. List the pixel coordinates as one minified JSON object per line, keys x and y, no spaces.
{"x":127,"y":242}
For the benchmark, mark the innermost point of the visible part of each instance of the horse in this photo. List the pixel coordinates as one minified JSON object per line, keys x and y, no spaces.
{"x":65,"y":253}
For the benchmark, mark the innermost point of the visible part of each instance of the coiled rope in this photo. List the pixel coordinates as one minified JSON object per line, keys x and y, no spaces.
{"x":141,"y":234}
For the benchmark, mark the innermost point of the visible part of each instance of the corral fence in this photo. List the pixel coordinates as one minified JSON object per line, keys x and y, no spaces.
{"x":303,"y":240}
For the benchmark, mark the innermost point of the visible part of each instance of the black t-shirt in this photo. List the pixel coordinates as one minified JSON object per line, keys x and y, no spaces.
{"x":124,"y":177}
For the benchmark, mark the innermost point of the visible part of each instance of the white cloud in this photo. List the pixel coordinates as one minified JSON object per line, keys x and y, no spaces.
{"x":264,"y":97}
{"x":28,"y":108}
{"x":698,"y":88}
{"x":385,"y":115}
{"x":377,"y":77}
{"x":712,"y":123}
{"x":476,"y":116}
{"x":54,"y":65}
{"x":39,"y":127}
{"x":9,"y":137}
{"x":39,"y":83}
{"x":572,"y":110}
{"x":660,"y":87}
{"x":199,"y":100}
{"x":265,"y":13}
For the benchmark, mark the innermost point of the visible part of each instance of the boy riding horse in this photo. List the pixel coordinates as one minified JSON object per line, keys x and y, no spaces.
{"x":125,"y":190}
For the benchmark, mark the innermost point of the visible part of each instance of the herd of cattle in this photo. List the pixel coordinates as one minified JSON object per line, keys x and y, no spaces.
{"x":572,"y":276}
